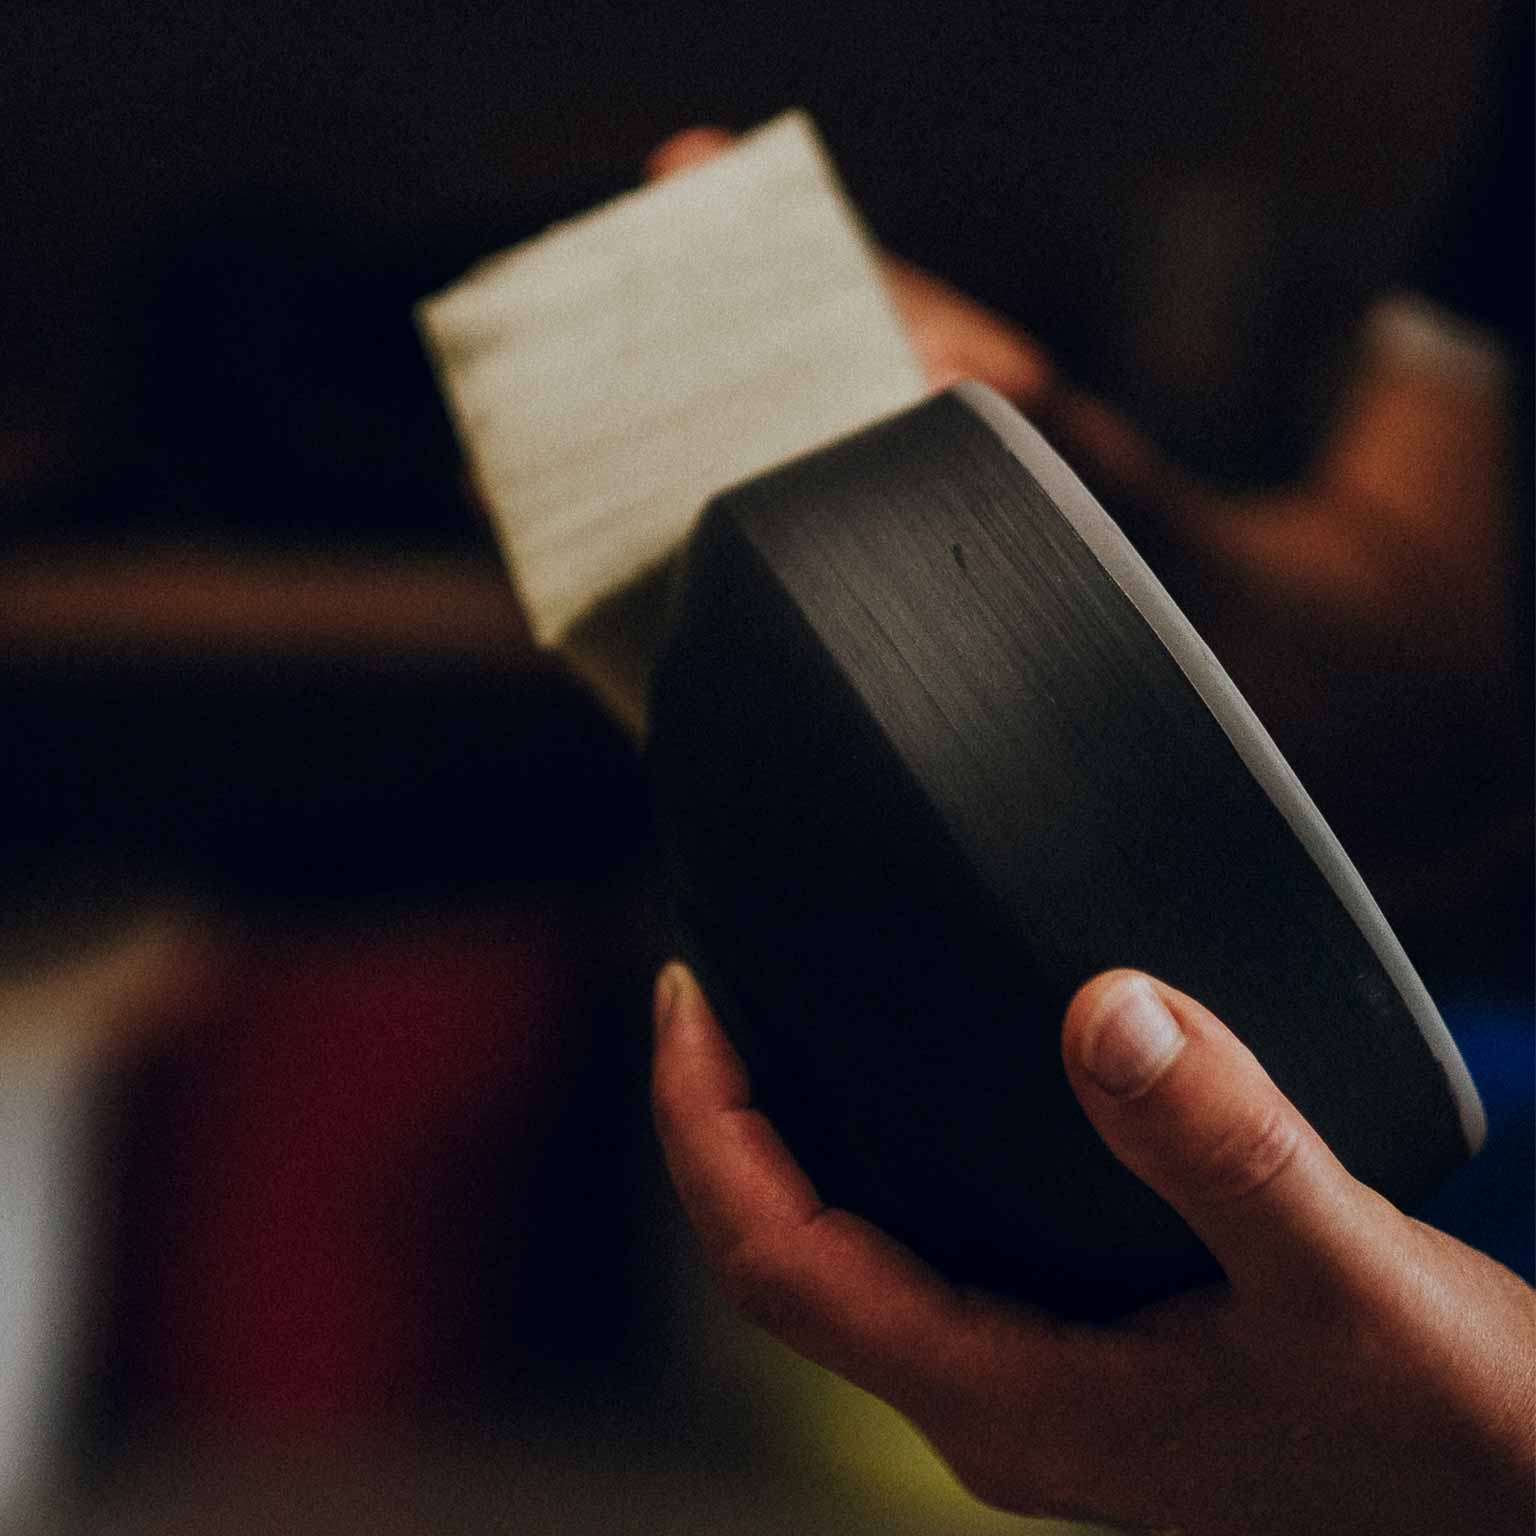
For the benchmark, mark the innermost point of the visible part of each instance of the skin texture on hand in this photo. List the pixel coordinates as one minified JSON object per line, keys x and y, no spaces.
{"x":1358,"y":1372}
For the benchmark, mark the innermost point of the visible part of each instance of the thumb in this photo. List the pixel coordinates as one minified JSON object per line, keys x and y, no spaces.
{"x":1186,"y":1107}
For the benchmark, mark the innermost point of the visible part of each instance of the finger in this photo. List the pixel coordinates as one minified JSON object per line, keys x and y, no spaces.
{"x":690,"y":147}
{"x":732,"y":1172}
{"x":828,"y":1284}
{"x":1186,"y":1107}
{"x":1119,"y":459}
{"x":957,"y":338}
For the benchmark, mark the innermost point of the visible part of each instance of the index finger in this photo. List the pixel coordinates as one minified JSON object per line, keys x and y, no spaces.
{"x":826,"y":1282}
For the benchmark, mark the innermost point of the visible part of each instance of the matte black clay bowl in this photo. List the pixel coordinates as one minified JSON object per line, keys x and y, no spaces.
{"x":931,"y":746}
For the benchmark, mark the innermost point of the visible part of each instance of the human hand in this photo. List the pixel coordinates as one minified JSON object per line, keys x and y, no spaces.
{"x":1358,"y":1372}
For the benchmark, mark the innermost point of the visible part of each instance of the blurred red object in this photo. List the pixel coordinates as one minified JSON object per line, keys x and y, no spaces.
{"x":351,"y":1127}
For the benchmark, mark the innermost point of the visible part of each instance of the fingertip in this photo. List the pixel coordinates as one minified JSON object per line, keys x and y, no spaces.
{"x":1187,"y":1107}
{"x":675,"y":1000}
{"x":695,"y":1071}
{"x":687,"y":148}
{"x":1117,"y":452}
{"x":1011,"y":361}
{"x":1121,"y":1034}
{"x":1034,"y":382}
{"x":664,"y":994}
{"x":1085,"y":1007}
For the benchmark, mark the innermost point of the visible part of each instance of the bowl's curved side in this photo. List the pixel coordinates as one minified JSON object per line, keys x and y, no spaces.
{"x":923,"y":763}
{"x":1241,"y":725}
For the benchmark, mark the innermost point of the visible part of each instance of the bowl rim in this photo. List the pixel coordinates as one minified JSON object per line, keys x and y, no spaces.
{"x":1241,"y":726}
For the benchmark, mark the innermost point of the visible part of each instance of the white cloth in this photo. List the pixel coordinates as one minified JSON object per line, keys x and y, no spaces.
{"x":611,"y":374}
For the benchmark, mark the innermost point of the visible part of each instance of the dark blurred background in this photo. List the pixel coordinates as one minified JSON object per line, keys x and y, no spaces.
{"x":262,"y":673}
{"x":1248,"y":171}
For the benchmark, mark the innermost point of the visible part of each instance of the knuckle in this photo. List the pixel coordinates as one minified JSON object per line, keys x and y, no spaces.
{"x":754,"y":1280}
{"x":1247,"y":1158}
